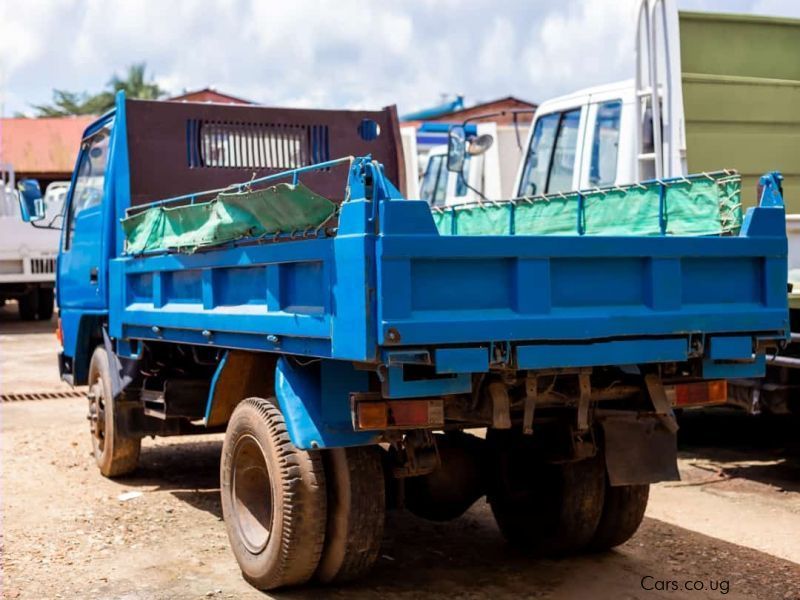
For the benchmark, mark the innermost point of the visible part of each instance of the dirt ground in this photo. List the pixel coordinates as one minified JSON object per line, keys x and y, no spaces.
{"x":731,"y":528}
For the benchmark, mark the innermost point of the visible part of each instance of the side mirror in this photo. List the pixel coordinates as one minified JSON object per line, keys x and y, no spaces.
{"x":456,"y":148}
{"x":31,"y":203}
{"x":480,"y":144}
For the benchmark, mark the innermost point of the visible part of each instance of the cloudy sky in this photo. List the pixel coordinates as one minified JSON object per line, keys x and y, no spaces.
{"x":336,"y":53}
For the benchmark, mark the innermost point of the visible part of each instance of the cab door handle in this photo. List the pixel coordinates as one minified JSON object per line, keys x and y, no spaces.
{"x":93,"y":275}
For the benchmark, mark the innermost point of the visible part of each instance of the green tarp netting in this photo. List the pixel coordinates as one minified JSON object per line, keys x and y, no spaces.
{"x":282,"y":208}
{"x":707,"y":204}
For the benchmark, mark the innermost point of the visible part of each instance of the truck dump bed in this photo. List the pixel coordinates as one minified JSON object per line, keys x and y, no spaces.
{"x":385,"y":286}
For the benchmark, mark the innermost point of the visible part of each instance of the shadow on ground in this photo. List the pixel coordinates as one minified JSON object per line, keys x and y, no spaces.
{"x":762,"y":448}
{"x":11,"y":323}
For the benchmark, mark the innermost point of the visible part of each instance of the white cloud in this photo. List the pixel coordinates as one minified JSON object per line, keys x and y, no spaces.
{"x":346,"y":53}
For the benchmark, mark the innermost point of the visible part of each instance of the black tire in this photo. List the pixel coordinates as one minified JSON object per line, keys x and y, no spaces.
{"x":356,"y":513}
{"x":114,"y":453}
{"x":452,"y":489}
{"x":623,"y":511}
{"x":28,"y":306}
{"x":544,"y":508}
{"x":273,"y":498}
{"x":46,"y":302}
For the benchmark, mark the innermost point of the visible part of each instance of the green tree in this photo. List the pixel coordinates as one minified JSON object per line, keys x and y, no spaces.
{"x":135,"y":83}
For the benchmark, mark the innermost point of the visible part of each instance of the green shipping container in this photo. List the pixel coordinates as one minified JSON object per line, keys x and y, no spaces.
{"x":741,"y":96}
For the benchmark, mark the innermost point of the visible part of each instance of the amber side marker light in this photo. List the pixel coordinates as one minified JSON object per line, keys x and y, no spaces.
{"x":701,"y":393}
{"x":60,"y":333}
{"x":399,"y":414}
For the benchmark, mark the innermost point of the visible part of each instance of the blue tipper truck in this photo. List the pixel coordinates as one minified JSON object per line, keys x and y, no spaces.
{"x":350,"y":361}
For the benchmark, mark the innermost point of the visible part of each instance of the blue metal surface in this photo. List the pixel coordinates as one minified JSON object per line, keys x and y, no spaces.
{"x":730,"y":348}
{"x":734,"y":370}
{"x":213,"y":387}
{"x":552,"y":356}
{"x":395,"y":385}
{"x":315,"y":402}
{"x":461,"y":360}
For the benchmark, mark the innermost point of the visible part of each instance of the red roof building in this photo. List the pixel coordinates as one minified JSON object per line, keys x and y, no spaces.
{"x":209,"y":95}
{"x":43,"y":148}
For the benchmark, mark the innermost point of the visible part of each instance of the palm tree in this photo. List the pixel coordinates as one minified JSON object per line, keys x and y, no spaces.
{"x":135,"y":83}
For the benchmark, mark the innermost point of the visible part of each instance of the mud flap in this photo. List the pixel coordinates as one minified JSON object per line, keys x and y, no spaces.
{"x":128,"y":414}
{"x":639,"y":449}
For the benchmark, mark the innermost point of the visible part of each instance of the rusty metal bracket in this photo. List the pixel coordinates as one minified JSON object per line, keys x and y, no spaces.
{"x":661,"y":403}
{"x":501,"y":405}
{"x":531,"y":397}
{"x":585,"y":385}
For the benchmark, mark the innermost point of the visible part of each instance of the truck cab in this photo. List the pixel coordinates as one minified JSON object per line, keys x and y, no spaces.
{"x":27,"y":255}
{"x":577,"y":141}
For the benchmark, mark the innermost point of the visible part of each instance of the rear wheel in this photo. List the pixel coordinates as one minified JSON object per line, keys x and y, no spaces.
{"x":273,"y":498}
{"x":45,"y":300}
{"x":623,"y":511}
{"x":449,"y":491}
{"x":115,"y":453}
{"x":28,"y":305}
{"x":356,"y":512}
{"x":545,"y":508}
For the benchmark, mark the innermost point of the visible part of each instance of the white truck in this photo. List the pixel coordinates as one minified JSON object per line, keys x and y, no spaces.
{"x":489,"y":172}
{"x":27,"y":254}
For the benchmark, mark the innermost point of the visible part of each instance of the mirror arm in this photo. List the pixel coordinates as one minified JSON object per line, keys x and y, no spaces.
{"x":49,"y":225}
{"x":469,"y":187}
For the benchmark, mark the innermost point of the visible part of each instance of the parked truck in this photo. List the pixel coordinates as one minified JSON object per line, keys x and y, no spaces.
{"x":221,"y":270}
{"x":27,"y":255}
{"x":489,"y":171}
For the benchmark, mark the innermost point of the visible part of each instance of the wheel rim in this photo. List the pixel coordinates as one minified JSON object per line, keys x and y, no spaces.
{"x":97,"y":414}
{"x":251,"y":494}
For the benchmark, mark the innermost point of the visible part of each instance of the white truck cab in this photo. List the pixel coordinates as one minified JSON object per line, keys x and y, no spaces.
{"x":487,"y":175}
{"x":579,"y":141}
{"x":27,"y":254}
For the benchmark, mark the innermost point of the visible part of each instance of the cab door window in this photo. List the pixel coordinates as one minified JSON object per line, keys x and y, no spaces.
{"x":550,"y":163}
{"x":605,"y":144}
{"x":537,"y":163}
{"x":562,"y":165}
{"x":433,"y":188}
{"x":88,"y":189}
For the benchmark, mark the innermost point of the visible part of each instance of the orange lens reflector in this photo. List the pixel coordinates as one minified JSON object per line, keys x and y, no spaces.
{"x":703,"y":392}
{"x":372,"y":415}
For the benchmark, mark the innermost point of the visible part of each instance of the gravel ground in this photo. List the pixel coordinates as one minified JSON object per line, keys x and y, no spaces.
{"x":732,"y":524}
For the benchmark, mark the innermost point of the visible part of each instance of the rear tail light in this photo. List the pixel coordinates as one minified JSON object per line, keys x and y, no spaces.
{"x":59,"y":333}
{"x":398,"y":414}
{"x":700,"y":393}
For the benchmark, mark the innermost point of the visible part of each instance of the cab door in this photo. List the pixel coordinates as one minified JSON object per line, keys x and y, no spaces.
{"x":81,"y":271}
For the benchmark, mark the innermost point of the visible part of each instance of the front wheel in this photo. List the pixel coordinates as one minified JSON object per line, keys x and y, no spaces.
{"x":273,"y":498}
{"x":115,"y":453}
